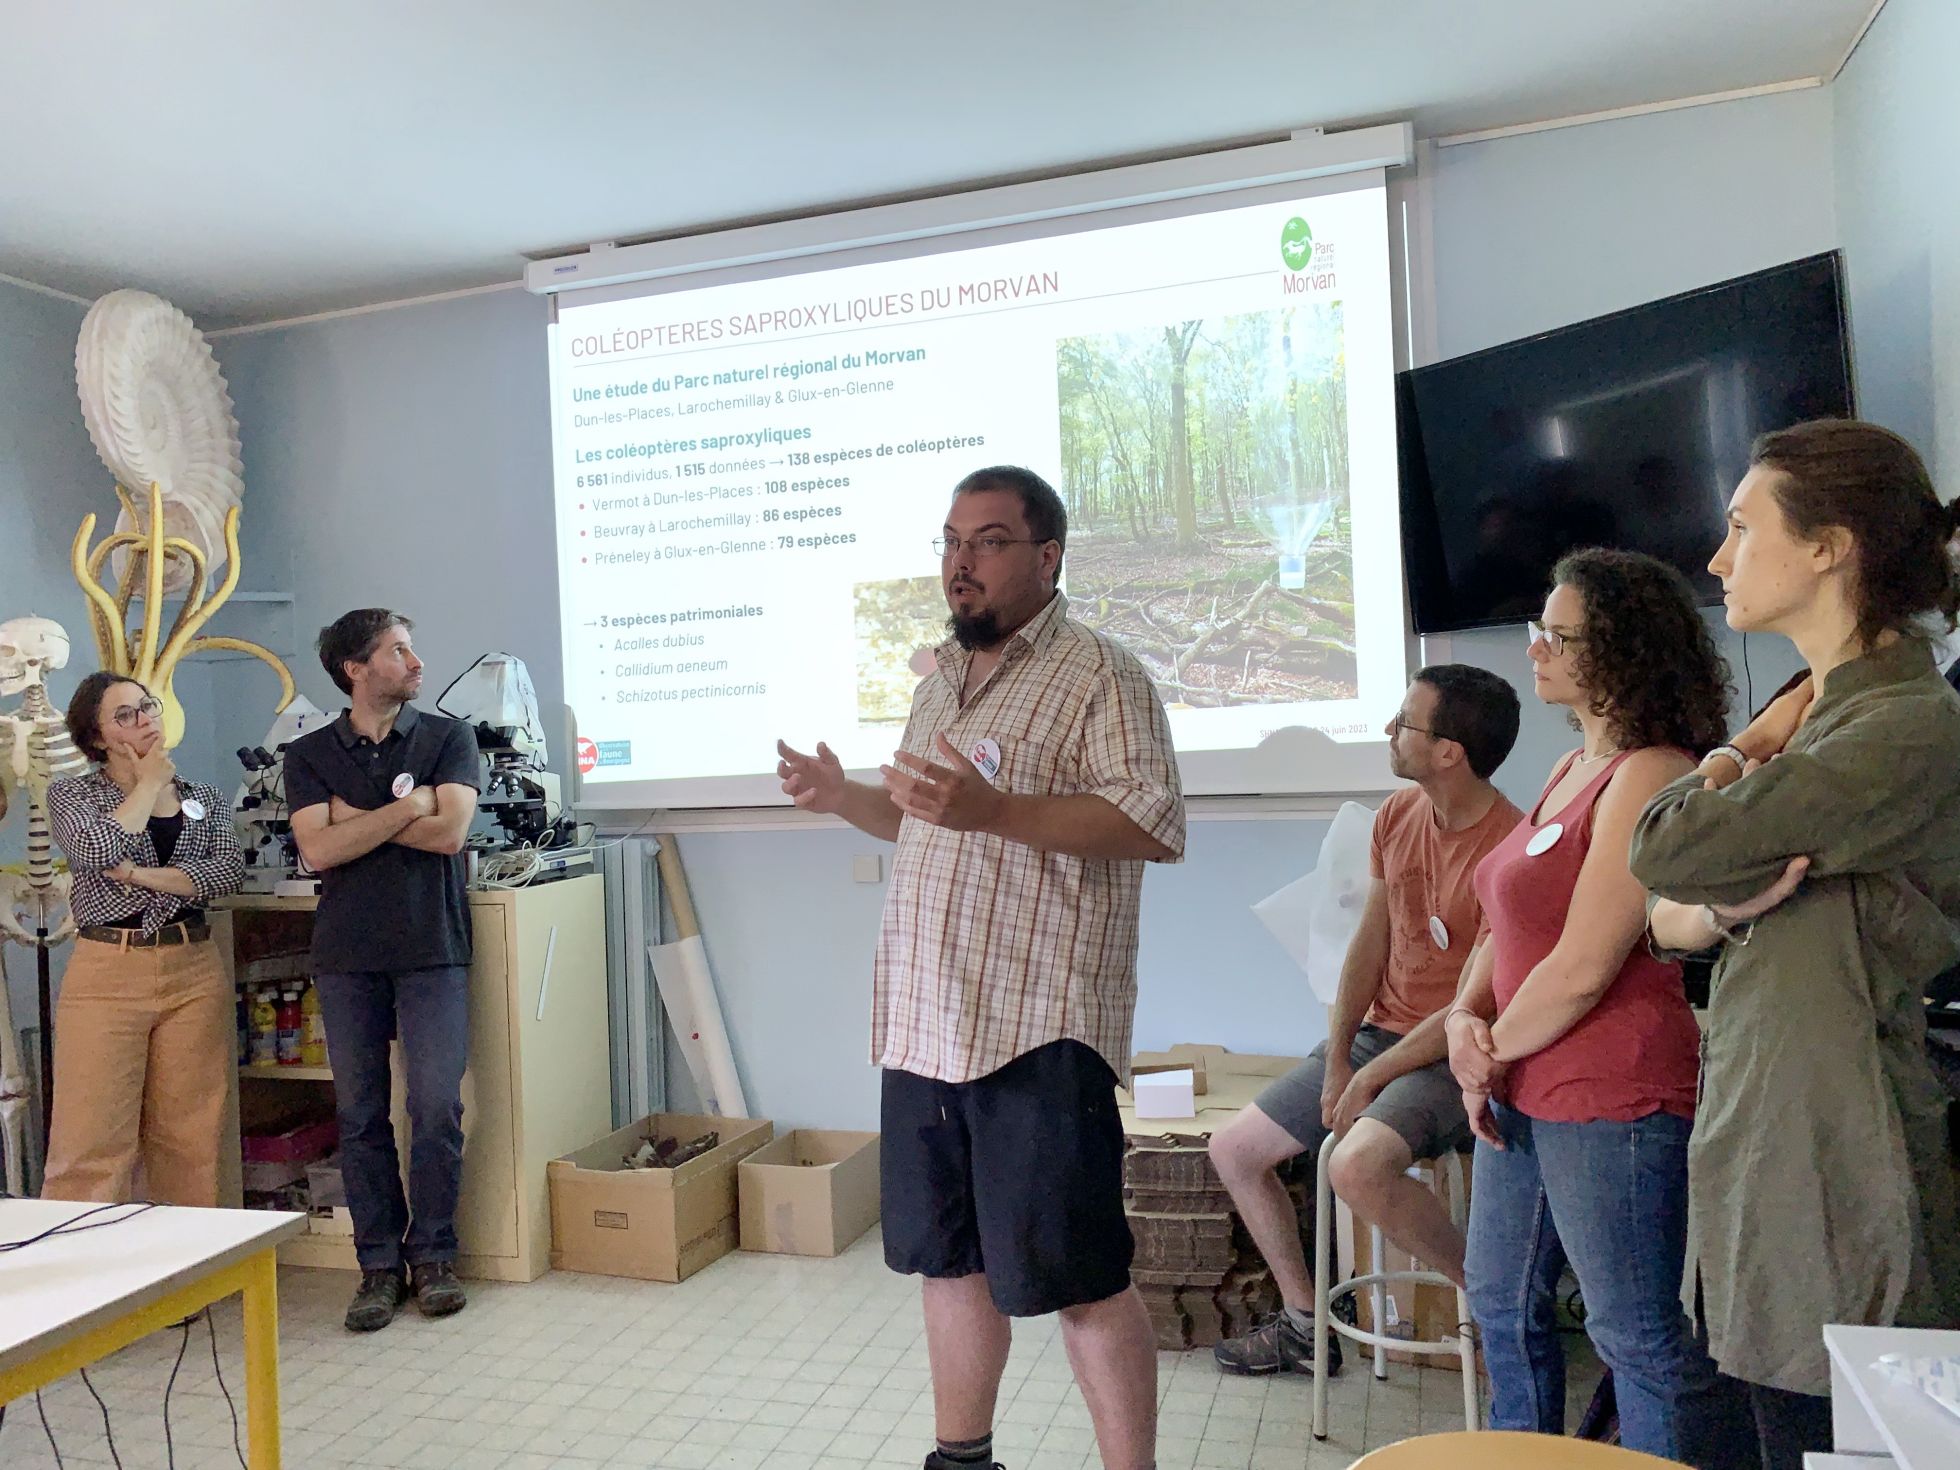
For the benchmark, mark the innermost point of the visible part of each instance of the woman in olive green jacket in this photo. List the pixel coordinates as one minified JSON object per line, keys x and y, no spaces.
{"x":1822,"y":850}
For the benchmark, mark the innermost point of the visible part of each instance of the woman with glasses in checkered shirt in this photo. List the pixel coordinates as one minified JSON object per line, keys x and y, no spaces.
{"x":144,"y":1033}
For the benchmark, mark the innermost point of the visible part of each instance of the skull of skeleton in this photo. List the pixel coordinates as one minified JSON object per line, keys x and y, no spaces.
{"x":30,"y":649}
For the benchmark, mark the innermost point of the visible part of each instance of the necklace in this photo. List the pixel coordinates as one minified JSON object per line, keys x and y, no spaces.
{"x":1587,"y":760}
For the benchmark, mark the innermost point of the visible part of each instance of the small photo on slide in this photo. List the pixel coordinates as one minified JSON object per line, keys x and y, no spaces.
{"x":1205,"y":468}
{"x":898,"y":624}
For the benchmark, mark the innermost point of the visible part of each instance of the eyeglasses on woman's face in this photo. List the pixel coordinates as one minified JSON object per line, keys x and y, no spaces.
{"x":1554,"y":640}
{"x":126,"y":716}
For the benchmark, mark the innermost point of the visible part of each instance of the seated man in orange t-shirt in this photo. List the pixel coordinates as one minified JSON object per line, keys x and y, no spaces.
{"x":1381,"y":1081}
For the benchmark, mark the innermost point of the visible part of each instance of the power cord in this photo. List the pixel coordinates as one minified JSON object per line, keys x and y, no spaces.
{"x":107,"y":1432}
{"x":237,"y":1449}
{"x":169,"y":1447}
{"x":73,"y":1225}
{"x":41,"y":1409}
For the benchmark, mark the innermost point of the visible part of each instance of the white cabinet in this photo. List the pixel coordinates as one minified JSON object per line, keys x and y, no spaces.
{"x":539,"y":1078}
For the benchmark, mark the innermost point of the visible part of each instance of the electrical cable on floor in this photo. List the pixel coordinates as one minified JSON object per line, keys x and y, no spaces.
{"x":210,"y":1322}
{"x":169,"y":1448}
{"x":107,"y":1433}
{"x":41,"y":1409}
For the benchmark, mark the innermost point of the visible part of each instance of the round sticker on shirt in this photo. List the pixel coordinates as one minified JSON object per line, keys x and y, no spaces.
{"x":1439,"y":931}
{"x":193,"y":808}
{"x":985,"y":756}
{"x":1544,"y":839}
{"x":404,"y":783}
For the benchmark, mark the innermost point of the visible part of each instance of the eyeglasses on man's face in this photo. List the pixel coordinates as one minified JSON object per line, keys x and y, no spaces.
{"x":984,"y":546}
{"x":127,"y":715}
{"x":1402,"y":722}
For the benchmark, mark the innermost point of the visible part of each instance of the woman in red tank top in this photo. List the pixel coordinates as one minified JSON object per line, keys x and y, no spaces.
{"x":1575,"y":1047}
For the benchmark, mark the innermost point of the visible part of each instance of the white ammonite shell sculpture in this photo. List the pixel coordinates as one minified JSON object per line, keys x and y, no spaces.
{"x":157,"y":407}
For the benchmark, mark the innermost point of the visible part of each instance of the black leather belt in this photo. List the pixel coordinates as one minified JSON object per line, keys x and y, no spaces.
{"x":196,"y":931}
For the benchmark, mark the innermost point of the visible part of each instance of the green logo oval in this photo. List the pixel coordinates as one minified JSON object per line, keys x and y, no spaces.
{"x":1296,"y":244}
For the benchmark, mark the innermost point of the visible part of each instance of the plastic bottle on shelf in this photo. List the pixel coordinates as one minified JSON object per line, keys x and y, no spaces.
{"x":265,"y":1028}
{"x":313,"y":1029}
{"x":287,"y":1045}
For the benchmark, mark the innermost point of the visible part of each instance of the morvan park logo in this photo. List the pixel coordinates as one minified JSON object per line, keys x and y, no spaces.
{"x":1296,"y":244}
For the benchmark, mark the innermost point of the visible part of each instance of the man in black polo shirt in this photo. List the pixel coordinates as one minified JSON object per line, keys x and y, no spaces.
{"x":382,"y":800}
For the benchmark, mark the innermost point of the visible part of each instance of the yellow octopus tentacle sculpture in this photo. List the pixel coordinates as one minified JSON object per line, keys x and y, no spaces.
{"x":148,"y":654}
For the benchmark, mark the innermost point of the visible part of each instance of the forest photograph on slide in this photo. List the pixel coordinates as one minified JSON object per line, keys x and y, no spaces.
{"x":1205,"y":468}
{"x":897,"y":623}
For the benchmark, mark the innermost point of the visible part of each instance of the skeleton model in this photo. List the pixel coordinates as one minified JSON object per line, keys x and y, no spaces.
{"x":34,"y":750}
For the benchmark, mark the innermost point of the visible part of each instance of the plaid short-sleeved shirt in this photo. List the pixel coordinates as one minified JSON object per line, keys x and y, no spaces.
{"x":990,"y":948}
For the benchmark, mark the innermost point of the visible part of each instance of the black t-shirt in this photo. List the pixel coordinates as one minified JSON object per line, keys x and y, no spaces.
{"x":164,"y":832}
{"x":395,"y":908}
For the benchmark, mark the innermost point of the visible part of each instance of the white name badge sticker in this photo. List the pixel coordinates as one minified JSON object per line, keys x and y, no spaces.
{"x":1544,"y":839}
{"x":985,"y":756}
{"x":404,"y":783}
{"x":193,"y":808}
{"x":1439,"y":931}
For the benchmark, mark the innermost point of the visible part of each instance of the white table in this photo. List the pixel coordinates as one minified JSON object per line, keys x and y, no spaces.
{"x":1873,"y":1415}
{"x":71,"y":1300}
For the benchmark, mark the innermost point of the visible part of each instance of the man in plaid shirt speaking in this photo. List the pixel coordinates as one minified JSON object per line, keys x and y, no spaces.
{"x":1035,"y":780}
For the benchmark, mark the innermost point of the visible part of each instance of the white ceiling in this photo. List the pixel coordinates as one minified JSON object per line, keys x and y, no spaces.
{"x":254,"y":161}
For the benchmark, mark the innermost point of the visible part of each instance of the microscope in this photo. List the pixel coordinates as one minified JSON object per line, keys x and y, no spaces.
{"x":523,"y":799}
{"x":259,"y":811}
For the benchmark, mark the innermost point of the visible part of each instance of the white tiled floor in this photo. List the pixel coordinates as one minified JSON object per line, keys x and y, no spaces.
{"x":759,"y":1360}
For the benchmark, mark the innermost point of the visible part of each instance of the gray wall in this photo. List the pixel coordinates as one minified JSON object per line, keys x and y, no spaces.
{"x":1898,"y":123}
{"x":1534,"y":232}
{"x":402,"y":457}
{"x":49,"y":479}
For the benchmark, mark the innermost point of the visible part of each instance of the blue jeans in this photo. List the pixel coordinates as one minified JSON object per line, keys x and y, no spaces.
{"x":429,"y":1010}
{"x":1612,"y":1198}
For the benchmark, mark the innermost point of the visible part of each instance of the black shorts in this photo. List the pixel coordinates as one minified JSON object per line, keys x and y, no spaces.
{"x":1018,"y":1174}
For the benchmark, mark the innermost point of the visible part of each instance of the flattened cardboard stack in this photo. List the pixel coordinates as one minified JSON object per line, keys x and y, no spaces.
{"x":1196,"y":1267}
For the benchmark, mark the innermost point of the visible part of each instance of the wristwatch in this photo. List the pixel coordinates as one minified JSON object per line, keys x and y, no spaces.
{"x":1730,"y":752}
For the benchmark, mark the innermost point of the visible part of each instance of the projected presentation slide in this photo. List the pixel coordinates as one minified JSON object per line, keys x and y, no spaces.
{"x":749,"y":478}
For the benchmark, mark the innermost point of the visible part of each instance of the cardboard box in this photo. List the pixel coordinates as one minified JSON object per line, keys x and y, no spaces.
{"x":810,"y":1193}
{"x":324,"y":1185}
{"x":337,"y":1221}
{"x":1171,"y":1093}
{"x":654,"y":1224}
{"x":263,"y":1178}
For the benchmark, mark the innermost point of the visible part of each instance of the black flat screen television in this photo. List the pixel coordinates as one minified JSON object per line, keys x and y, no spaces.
{"x":1629,"y":430}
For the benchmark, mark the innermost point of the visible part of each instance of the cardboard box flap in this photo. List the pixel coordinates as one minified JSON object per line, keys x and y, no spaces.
{"x":809,"y":1148}
{"x":608,"y":1155}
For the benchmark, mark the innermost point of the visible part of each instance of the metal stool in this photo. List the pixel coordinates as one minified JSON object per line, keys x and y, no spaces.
{"x":1451,"y":1168}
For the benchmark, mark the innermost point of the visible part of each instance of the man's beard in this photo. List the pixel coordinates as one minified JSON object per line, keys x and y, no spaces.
{"x":975,"y":630}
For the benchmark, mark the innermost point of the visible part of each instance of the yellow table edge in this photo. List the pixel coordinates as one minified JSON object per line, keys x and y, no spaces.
{"x":256,"y":1277}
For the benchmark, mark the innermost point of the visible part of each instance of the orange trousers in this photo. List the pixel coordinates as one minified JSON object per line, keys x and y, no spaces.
{"x":143,"y":1041}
